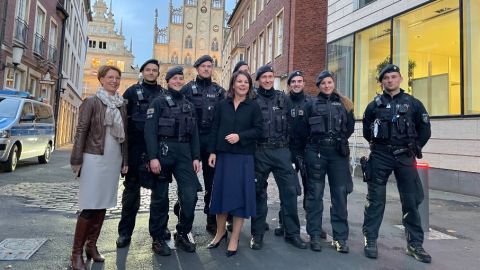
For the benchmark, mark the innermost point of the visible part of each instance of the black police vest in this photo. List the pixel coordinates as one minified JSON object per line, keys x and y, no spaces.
{"x":394,"y":120}
{"x":204,"y":101}
{"x":141,"y":104}
{"x":328,"y":118}
{"x":177,"y":119}
{"x":274,"y":112}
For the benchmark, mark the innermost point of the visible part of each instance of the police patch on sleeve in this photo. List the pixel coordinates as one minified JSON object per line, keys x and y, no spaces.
{"x":425,"y":118}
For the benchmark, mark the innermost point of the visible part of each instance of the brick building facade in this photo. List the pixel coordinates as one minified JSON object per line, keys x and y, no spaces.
{"x":35,"y":26}
{"x":288,"y":35}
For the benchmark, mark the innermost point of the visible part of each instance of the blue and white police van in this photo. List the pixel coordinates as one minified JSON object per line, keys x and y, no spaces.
{"x":27,"y":129}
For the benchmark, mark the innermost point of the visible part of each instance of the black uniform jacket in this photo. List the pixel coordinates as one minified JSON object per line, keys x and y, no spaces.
{"x":151,"y":126}
{"x":419,"y":116}
{"x":246,"y":121}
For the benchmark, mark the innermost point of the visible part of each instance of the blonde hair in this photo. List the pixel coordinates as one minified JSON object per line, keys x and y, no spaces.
{"x":347,"y":103}
{"x":103,"y":70}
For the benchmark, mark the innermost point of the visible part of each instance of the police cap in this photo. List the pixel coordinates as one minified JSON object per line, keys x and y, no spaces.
{"x":324,"y":74}
{"x":387,"y":69}
{"x":294,"y":73}
{"x":178,"y":70}
{"x":263,"y":69}
{"x":238,"y":65}
{"x":151,"y":61}
{"x":201,"y":59}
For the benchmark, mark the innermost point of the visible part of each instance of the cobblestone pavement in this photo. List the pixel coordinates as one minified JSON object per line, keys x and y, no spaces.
{"x":62,"y":197}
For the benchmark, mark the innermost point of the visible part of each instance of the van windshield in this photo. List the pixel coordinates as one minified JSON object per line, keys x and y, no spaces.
{"x":8,"y":107}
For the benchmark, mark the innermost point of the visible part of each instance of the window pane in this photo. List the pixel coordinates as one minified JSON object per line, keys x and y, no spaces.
{"x":372,"y":50}
{"x":430,"y":64}
{"x":471,"y":56}
{"x":340,"y":62}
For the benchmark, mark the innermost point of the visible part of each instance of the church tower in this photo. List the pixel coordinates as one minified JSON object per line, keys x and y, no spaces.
{"x":193,"y":30}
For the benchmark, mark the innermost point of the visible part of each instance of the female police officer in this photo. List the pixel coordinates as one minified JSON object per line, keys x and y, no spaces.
{"x":171,"y":137}
{"x":330,"y":123}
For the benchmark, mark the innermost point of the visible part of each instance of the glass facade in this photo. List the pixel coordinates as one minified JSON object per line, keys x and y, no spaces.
{"x":340,"y":62}
{"x":426,"y":43}
{"x":372,"y":50}
{"x":430,"y":64}
{"x":471,"y":50}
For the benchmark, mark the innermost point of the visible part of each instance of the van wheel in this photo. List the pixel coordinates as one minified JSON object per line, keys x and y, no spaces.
{"x":11,"y":163}
{"x":45,"y":158}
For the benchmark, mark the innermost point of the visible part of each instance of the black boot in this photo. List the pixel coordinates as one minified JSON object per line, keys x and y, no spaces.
{"x":370,"y":249}
{"x":211,"y":226}
{"x":315,"y":243}
{"x":182,"y":241}
{"x":81,"y":232}
{"x":417,"y":251}
{"x":91,"y":244}
{"x":161,"y":248}
{"x":341,"y":246}
{"x":256,"y":242}
{"x":296,"y":241}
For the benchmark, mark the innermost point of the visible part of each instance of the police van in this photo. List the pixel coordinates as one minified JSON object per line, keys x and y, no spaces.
{"x":26,"y":129}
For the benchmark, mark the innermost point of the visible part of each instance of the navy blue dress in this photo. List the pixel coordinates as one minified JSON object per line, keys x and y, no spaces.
{"x":233,"y":188}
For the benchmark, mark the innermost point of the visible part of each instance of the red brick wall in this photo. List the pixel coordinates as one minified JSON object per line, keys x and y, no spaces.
{"x":304,"y":39}
{"x":308,"y":41}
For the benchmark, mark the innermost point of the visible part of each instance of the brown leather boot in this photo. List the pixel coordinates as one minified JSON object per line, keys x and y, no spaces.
{"x":80,"y":237}
{"x":91,"y":244}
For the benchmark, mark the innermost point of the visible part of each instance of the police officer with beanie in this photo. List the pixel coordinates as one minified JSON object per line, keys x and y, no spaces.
{"x":173,"y":147}
{"x":330,"y":122}
{"x":205,"y":94}
{"x":272,"y":155}
{"x":297,"y":99}
{"x":397,"y":127}
{"x":138,"y":97}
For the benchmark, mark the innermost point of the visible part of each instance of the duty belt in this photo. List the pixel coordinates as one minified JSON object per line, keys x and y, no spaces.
{"x":323,"y":141}
{"x":272,"y":144}
{"x":394,"y":149}
{"x":175,"y":139}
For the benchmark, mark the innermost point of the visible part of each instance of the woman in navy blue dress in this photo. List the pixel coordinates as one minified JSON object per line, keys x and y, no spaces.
{"x":236,"y":126}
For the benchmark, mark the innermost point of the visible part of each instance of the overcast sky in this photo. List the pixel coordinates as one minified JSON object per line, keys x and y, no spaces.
{"x":138,"y":16}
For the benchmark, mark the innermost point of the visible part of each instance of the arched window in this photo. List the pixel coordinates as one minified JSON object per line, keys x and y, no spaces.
{"x":215,"y":45}
{"x":215,"y":61}
{"x":188,"y":42}
{"x":188,"y":59}
{"x":174,"y":59}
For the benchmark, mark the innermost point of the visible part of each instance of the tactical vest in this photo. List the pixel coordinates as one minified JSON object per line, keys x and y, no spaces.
{"x":394,"y":120}
{"x":177,"y":119}
{"x":204,"y":101}
{"x":328,"y":118}
{"x":140,"y":107}
{"x":274,"y":112}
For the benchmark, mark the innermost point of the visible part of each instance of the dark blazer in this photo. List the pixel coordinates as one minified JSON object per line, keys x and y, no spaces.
{"x":246,"y":121}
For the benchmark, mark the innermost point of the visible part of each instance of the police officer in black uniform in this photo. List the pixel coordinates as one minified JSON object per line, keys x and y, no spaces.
{"x":397,"y":127}
{"x":297,"y":99}
{"x":330,"y":123}
{"x":173,"y":147}
{"x":138,"y":97}
{"x":272,"y":155}
{"x":204,"y":94}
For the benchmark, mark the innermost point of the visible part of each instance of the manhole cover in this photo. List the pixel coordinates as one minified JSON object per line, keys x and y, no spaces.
{"x":19,"y":249}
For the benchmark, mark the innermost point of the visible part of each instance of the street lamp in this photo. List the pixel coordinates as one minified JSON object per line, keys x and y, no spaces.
{"x":64,"y":84}
{"x":17,"y":53}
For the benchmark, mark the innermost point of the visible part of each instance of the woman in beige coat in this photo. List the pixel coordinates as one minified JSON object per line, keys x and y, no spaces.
{"x":98,"y":157}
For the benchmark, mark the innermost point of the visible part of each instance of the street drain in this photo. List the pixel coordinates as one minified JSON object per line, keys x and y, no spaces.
{"x":19,"y":249}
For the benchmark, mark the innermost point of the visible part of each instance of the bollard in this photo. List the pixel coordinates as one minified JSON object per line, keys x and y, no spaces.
{"x":423,"y":169}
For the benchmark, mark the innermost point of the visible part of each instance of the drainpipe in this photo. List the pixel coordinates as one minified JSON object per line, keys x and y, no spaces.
{"x":64,"y":13}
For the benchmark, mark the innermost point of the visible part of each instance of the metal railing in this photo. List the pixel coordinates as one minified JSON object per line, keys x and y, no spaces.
{"x":21,"y":30}
{"x":39,"y":45}
{"x":52,"y":53}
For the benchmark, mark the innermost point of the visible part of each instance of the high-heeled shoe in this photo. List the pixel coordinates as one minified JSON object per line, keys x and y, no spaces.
{"x":230,"y":253}
{"x":215,"y":245}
